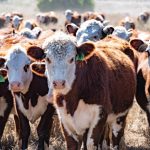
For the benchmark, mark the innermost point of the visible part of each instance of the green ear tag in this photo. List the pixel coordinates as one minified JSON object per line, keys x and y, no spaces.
{"x":80,"y":57}
{"x":2,"y":79}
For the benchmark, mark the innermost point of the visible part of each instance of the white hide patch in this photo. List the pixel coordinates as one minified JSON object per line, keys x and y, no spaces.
{"x":85,"y":116}
{"x":114,"y":127}
{"x":90,"y":144}
{"x":13,"y":111}
{"x":46,"y":147}
{"x":3,"y":106}
{"x":33,"y":113}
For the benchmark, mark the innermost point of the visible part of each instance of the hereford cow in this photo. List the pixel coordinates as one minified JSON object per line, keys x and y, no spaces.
{"x":30,"y":93}
{"x":143,"y":75}
{"x":128,"y":23}
{"x":93,"y":15}
{"x":6,"y":104}
{"x":90,"y":87}
{"x":143,"y":17}
{"x":72,"y":17}
{"x":30,"y":24}
{"x":92,"y":30}
{"x":47,"y":18}
{"x":122,"y":33}
{"x":31,"y":34}
{"x":16,"y":21}
{"x":2,"y":21}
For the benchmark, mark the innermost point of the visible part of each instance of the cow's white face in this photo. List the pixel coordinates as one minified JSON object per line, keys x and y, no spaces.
{"x":122,"y":33}
{"x":91,"y":30}
{"x":28,"y":24}
{"x":42,"y":18}
{"x":19,"y":74}
{"x":60,"y":63}
{"x":128,"y":23}
{"x":16,"y":21}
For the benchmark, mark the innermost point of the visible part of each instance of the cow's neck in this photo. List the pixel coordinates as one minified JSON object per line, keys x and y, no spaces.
{"x":85,"y":86}
{"x":38,"y":87}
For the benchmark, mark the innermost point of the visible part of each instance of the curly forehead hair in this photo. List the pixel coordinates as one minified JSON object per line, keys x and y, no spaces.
{"x":59,"y":44}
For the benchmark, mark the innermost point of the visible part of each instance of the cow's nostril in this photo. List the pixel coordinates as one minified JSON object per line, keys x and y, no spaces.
{"x":18,"y":84}
{"x":55,"y":84}
{"x":63,"y":83}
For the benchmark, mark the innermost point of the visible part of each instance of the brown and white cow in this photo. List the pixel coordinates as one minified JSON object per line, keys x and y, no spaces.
{"x":72,"y":17}
{"x":6,"y":104}
{"x":128,"y":23}
{"x":90,"y":30}
{"x":143,"y":75}
{"x":93,"y":15}
{"x":90,"y":88}
{"x":143,"y":17}
{"x":47,"y":18}
{"x":30,"y":93}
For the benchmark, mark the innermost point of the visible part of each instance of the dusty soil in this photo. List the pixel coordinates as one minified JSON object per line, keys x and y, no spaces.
{"x":137,"y":135}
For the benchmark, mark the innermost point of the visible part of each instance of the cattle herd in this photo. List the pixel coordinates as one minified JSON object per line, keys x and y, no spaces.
{"x":88,"y":72}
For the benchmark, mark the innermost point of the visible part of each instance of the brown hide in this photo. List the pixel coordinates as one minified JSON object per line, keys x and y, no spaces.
{"x":76,"y":19}
{"x":93,"y":15}
{"x":143,"y":76}
{"x":122,"y":45}
{"x":103,"y":79}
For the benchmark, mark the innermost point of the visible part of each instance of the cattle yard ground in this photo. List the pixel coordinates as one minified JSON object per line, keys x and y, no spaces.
{"x":137,"y":134}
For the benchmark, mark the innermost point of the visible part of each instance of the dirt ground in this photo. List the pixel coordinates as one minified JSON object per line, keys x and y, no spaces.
{"x":137,"y":135}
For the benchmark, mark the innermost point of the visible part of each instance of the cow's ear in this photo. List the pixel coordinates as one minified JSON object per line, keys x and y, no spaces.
{"x":36,"y":53}
{"x":3,"y":75}
{"x":137,"y":44}
{"x":2,"y":61}
{"x":108,"y":29}
{"x":72,"y":28}
{"x":84,"y":50}
{"x":38,"y":68}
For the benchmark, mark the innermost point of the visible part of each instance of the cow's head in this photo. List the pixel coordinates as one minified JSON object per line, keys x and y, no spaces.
{"x":17,"y":64}
{"x":61,"y":57}
{"x":90,"y":30}
{"x":16,"y":21}
{"x":68,"y":14}
{"x":122,"y":32}
{"x":143,"y":17}
{"x":128,"y":23}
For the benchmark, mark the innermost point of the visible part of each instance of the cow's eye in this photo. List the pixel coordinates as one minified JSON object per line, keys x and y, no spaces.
{"x":6,"y":67}
{"x":26,"y":67}
{"x":48,"y":60}
{"x":71,"y":60}
{"x":95,"y":37}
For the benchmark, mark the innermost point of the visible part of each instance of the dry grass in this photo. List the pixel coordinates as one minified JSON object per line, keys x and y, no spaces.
{"x":136,"y":137}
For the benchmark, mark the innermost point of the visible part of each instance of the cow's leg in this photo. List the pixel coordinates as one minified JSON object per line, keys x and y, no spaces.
{"x":117,"y":128}
{"x":84,"y":140}
{"x":3,"y":119}
{"x":104,"y":140}
{"x":24,"y":130}
{"x":44,"y":128}
{"x":72,"y":143}
{"x":17,"y":125}
{"x":96,"y":130}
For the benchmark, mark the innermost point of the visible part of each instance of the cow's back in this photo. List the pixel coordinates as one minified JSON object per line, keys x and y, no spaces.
{"x":121,"y":77}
